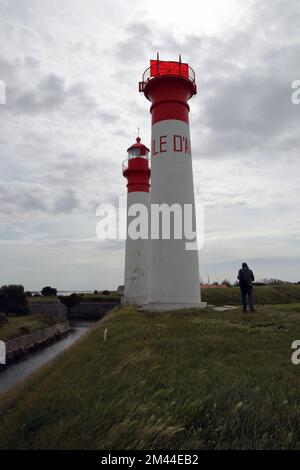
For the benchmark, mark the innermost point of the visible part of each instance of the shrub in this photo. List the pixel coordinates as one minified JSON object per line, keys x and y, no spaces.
{"x":49,"y":291}
{"x":13,"y":300}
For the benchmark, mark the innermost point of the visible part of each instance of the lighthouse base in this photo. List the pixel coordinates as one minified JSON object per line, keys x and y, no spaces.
{"x":139,"y":301}
{"x":157,"y":307}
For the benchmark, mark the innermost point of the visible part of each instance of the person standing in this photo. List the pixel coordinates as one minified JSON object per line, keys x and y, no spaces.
{"x":246,"y":278}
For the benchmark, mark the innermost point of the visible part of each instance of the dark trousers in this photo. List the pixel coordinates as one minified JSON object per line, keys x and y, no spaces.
{"x":247,"y":291}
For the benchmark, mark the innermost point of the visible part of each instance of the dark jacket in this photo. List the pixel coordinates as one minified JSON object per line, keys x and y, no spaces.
{"x":245,"y":277}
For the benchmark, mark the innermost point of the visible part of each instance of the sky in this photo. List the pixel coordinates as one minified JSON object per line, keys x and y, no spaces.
{"x":71,"y":70}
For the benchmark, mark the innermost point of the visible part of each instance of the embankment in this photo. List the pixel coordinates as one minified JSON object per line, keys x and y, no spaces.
{"x":194,"y":379}
{"x":21,"y":345}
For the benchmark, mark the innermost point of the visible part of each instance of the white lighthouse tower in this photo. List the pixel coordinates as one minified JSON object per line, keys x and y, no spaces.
{"x":137,"y":171}
{"x":174,"y":270}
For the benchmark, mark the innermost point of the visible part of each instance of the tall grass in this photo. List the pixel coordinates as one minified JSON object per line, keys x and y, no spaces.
{"x":194,"y":379}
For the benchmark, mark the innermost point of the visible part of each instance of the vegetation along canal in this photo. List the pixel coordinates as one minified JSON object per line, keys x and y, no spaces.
{"x":15,"y":372}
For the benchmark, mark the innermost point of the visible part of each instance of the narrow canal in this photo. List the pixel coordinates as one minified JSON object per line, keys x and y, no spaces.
{"x":15,"y":372}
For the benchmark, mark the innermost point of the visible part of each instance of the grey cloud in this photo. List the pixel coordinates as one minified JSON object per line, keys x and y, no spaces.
{"x":19,"y":200}
{"x":139,"y":40}
{"x":247,"y":112}
{"x":67,"y":202}
{"x":249,"y":107}
{"x":32,"y":62}
{"x":143,"y":42}
{"x":32,"y":92}
{"x":17,"y":197}
{"x":51,"y":94}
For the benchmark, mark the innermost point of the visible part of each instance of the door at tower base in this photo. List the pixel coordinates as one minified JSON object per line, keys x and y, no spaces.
{"x":137,"y":258}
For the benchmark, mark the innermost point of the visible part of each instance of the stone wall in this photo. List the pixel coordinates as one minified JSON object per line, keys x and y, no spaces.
{"x":85,"y":310}
{"x":92,"y":310}
{"x":47,"y":307}
{"x":20,"y":346}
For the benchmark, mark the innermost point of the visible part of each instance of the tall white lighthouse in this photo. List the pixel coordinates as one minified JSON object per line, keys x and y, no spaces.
{"x":174,"y":269}
{"x":137,"y":171}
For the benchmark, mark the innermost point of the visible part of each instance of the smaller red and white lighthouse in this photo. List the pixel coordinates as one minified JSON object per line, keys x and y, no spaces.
{"x":137,"y":171}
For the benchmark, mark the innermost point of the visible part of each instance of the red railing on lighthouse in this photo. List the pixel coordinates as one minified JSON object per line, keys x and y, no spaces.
{"x":160,"y":68}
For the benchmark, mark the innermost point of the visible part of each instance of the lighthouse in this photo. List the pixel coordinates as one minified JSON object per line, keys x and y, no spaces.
{"x":136,"y":170}
{"x":174,"y":267}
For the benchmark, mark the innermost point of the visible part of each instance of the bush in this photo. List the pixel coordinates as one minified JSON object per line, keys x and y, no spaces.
{"x":13,"y":300}
{"x":49,"y":291}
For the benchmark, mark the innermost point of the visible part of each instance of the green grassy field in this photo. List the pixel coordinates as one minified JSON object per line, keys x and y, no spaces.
{"x":42,"y":298}
{"x":262,"y":295}
{"x":184,"y":380}
{"x":22,"y":325}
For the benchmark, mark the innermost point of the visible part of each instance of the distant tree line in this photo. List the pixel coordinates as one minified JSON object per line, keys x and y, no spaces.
{"x":263,"y":282}
{"x":274,"y":282}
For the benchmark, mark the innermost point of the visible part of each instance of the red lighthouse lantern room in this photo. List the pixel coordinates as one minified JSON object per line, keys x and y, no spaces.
{"x":136,"y":168}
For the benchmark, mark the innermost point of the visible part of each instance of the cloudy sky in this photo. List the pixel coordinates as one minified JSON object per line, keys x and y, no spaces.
{"x":71,"y":69}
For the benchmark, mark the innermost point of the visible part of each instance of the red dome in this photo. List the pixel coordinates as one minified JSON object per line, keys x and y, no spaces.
{"x":138,"y":145}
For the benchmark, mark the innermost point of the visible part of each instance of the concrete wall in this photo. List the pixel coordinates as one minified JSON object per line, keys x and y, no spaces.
{"x":85,"y":310}
{"x":47,"y":307}
{"x":92,"y":310}
{"x":20,"y":346}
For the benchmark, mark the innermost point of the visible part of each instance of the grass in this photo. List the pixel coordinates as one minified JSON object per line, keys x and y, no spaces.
{"x":185,"y":380}
{"x":263,"y":295}
{"x":42,"y":298}
{"x":22,"y":325}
